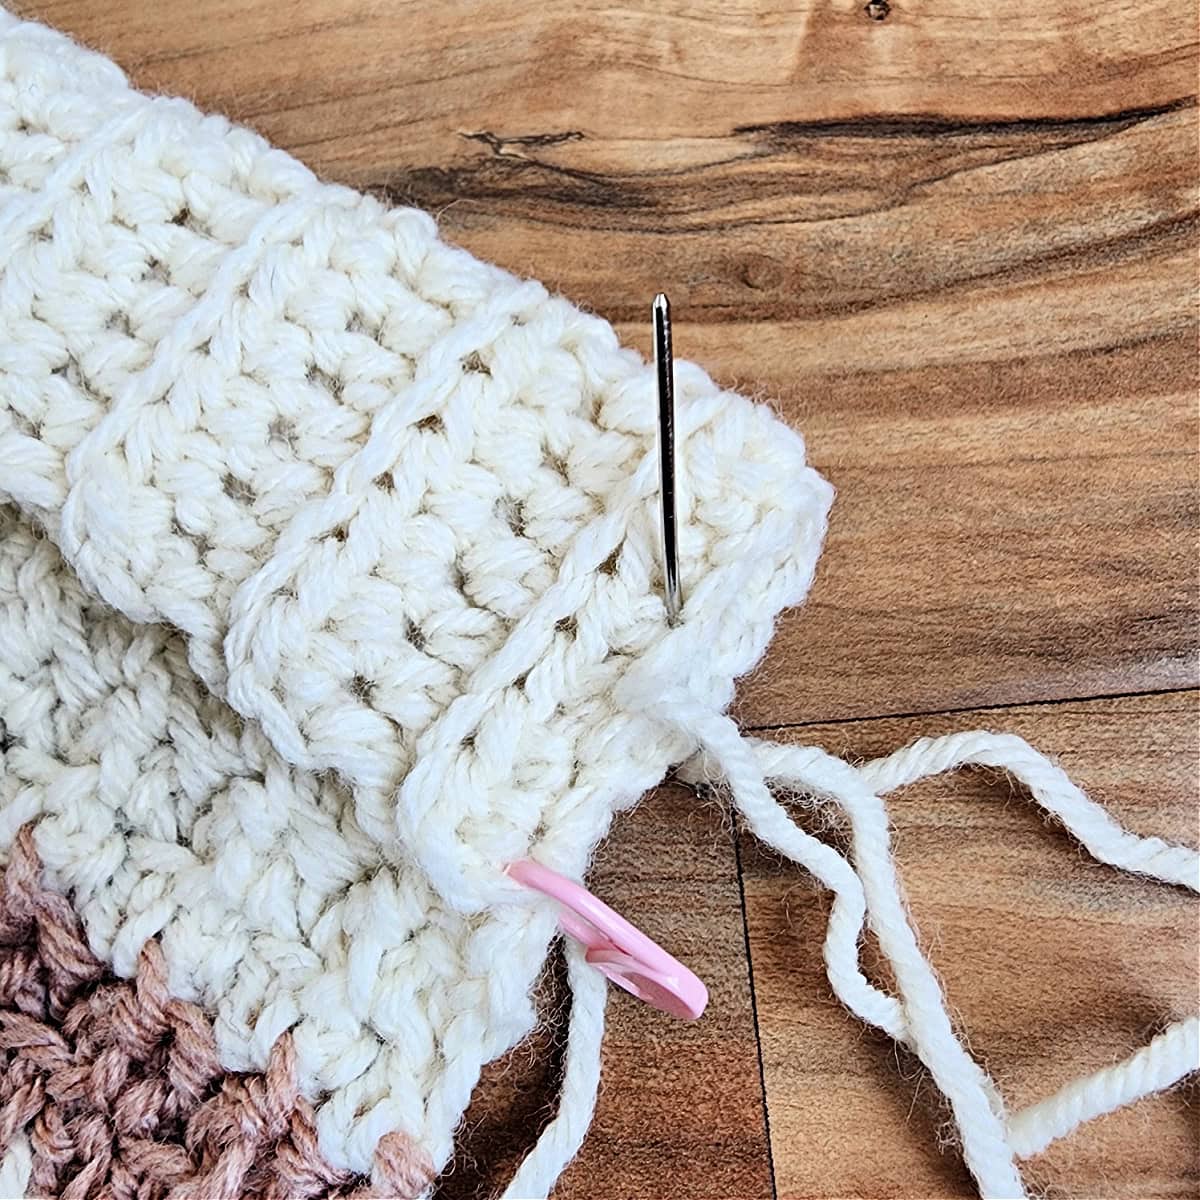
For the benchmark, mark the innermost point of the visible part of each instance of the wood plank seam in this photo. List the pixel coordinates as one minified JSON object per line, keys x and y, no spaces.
{"x":762,"y":1074}
{"x":933,"y":713}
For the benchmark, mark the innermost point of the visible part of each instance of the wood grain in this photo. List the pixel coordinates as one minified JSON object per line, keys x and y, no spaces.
{"x":1003,"y":533}
{"x":956,"y":247}
{"x":1053,"y":965}
{"x":361,"y":89}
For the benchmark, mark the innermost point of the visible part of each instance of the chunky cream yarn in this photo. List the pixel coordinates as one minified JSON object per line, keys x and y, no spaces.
{"x":351,"y":598}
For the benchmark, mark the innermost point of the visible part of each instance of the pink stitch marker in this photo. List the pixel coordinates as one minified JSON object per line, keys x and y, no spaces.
{"x":615,"y":947}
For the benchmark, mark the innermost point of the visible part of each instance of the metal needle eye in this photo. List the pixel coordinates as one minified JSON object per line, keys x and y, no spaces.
{"x":665,"y":370}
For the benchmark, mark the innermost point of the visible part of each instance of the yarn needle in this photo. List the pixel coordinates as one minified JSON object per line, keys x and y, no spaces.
{"x":664,"y":365}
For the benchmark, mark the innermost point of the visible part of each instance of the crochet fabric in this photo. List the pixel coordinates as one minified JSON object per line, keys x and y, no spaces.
{"x":351,"y":579}
{"x":124,"y":1085}
{"x":329,"y":586}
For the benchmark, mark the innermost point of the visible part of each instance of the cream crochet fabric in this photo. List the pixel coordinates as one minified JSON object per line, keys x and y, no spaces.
{"x":329,"y":585}
{"x":311,"y":466}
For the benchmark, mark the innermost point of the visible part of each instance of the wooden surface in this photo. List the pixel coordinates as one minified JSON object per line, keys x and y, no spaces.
{"x":957,"y":246}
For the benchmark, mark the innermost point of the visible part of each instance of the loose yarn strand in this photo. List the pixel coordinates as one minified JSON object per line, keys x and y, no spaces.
{"x":1174,"y":1053}
{"x":1086,"y":820}
{"x":727,"y":750}
{"x":561,"y":1139}
{"x":990,"y":1144}
{"x":975,"y":1102}
{"x":1161,"y":1064}
{"x":924,"y":1023}
{"x":1170,"y":1057}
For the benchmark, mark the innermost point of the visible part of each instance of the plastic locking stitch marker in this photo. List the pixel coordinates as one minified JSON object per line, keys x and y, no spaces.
{"x":615,"y":947}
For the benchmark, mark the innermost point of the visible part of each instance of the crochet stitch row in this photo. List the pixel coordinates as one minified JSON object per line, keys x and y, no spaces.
{"x":120,"y":1086}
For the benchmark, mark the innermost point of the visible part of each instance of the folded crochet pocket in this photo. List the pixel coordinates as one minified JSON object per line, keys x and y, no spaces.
{"x":315,"y":468}
{"x":400,"y":503}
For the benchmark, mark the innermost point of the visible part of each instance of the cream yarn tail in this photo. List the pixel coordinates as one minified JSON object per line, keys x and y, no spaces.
{"x":868,"y":887}
{"x":991,"y":1141}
